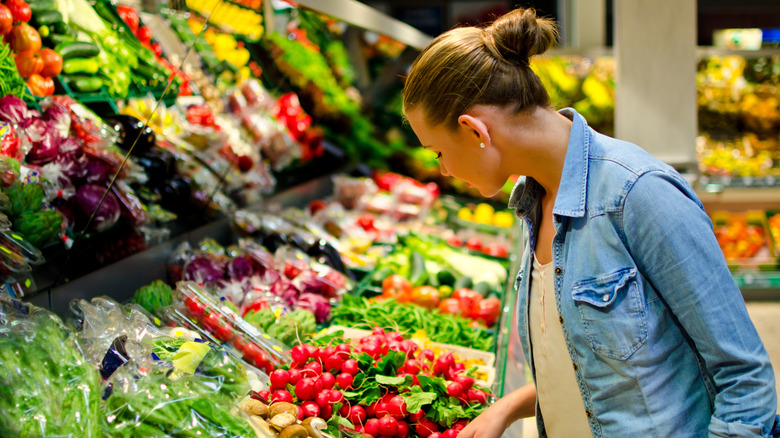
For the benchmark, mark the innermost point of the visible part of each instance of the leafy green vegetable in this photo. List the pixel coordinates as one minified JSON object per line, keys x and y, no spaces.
{"x":46,"y":386}
{"x":447,"y":329}
{"x":154,"y":296}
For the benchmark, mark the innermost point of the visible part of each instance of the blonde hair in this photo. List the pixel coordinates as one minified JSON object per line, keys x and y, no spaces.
{"x":468,"y":66}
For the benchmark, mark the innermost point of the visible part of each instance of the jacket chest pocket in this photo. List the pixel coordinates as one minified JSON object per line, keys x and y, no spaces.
{"x":612,"y":312}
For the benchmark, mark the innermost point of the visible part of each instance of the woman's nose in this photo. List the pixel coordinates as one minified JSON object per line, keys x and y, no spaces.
{"x":443,"y":169}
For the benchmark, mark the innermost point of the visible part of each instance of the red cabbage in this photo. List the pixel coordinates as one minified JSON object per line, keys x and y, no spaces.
{"x":72,"y":161}
{"x":317,"y":304}
{"x":309,"y":282}
{"x":86,"y":200}
{"x":96,"y":172}
{"x":238,"y":268}
{"x":285,"y":290}
{"x":12,"y":109}
{"x":44,"y":138}
{"x":59,"y":117}
{"x":204,"y":270}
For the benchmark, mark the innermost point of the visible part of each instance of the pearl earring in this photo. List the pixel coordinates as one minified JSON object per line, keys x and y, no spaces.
{"x":482,"y":145}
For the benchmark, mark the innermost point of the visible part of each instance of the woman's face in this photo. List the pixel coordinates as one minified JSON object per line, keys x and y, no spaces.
{"x":459,"y":153}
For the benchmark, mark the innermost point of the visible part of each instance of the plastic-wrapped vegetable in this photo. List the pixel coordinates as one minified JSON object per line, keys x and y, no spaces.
{"x":317,"y":304}
{"x":86,"y":200}
{"x":58,"y":116}
{"x":204,"y":269}
{"x":45,"y":140}
{"x":12,"y":109}
{"x":46,"y":386}
{"x":154,"y":296}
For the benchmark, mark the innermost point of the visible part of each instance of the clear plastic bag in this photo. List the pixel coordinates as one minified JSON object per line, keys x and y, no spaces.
{"x":47,"y":389}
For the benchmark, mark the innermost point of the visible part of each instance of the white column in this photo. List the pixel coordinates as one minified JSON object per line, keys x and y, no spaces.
{"x":584,"y":23}
{"x":655,"y":53}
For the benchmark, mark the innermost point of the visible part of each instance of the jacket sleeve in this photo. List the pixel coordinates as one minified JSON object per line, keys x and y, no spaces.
{"x":672,"y":242}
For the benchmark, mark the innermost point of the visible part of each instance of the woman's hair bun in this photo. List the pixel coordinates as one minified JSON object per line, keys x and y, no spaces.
{"x":519,"y":35}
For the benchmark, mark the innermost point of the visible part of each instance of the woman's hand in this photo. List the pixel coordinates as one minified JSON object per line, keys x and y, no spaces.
{"x":493,"y":422}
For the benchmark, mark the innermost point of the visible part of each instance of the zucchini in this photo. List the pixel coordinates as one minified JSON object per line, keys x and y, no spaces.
{"x":39,"y":6}
{"x":462,"y":282}
{"x":77,"y":49}
{"x":48,"y":18}
{"x":418,"y":275}
{"x":483,"y":287}
{"x":80,"y":65}
{"x":84,"y":84}
{"x":57,"y":39}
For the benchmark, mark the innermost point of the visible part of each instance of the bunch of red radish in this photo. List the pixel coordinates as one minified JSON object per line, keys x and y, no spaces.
{"x":318,"y":376}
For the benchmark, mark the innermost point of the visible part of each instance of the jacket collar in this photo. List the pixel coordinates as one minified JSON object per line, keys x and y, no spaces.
{"x":574,"y":179}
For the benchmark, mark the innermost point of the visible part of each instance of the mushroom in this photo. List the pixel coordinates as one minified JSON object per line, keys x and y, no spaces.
{"x":283,"y":408}
{"x":283,"y":420}
{"x":263,"y":425}
{"x":294,"y":431}
{"x":314,"y":426}
{"x":254,"y":407}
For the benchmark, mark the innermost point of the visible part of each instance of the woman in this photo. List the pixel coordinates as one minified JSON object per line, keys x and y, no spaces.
{"x":628,"y":315}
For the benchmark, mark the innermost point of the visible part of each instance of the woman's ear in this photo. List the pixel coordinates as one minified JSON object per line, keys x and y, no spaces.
{"x":475,"y":127}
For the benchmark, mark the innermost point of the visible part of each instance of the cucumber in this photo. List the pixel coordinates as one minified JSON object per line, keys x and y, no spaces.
{"x":446,"y":277}
{"x":39,"y":6}
{"x":462,"y":282}
{"x":62,"y":28}
{"x":77,"y":49}
{"x":380,"y":274}
{"x":418,"y":275}
{"x":483,"y":288}
{"x":48,"y":18}
{"x":57,"y":39}
{"x":85,"y":84}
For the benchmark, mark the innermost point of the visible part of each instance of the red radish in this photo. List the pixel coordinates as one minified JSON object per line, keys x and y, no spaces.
{"x":301,"y":417}
{"x":460,"y":424}
{"x":378,"y":331}
{"x":343,"y":351}
{"x":282,"y":396}
{"x":415,"y":418}
{"x":373,"y":349}
{"x":371,"y":410}
{"x":324,"y":353}
{"x":459,"y":366}
{"x":357,"y":415}
{"x":403,"y":430}
{"x":344,"y":411}
{"x":435,"y":435}
{"x":427,"y":354}
{"x":475,"y":395}
{"x":315,"y":366}
{"x":279,"y":379}
{"x":446,"y":360}
{"x":336,"y":396}
{"x":466,"y":381}
{"x":323,"y":399}
{"x":311,"y":350}
{"x":318,"y":384}
{"x":333,"y":363}
{"x":394,"y":345}
{"x":409,"y":347}
{"x":265,"y":394}
{"x":426,"y":427}
{"x":326,"y":412}
{"x":450,"y":433}
{"x":310,"y":409}
{"x":295,"y":376}
{"x":413,"y":366}
{"x":395,"y":336}
{"x":451,"y":374}
{"x":344,"y":380}
{"x":306,"y":389}
{"x":381,"y":409}
{"x":397,"y":407}
{"x":388,"y":426}
{"x":350,"y":366}
{"x":299,"y":354}
{"x":372,"y":427}
{"x":328,"y":380}
{"x":454,"y":389}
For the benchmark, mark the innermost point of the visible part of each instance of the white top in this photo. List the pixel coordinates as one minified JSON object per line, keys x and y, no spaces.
{"x":556,"y":385}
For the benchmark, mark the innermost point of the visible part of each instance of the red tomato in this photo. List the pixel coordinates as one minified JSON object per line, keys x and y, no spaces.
{"x":396,"y":286}
{"x":211,"y":322}
{"x":28,"y":63}
{"x":316,"y":206}
{"x":224,"y":332}
{"x":455,"y":241}
{"x":426,"y":296}
{"x":496,"y":249}
{"x":487,"y":310}
{"x":52,"y":63}
{"x":6,"y":20}
{"x":450,"y":306}
{"x":366,"y":222}
{"x":144,"y":34}
{"x":474,"y":244}
{"x":40,"y":86}
{"x":23,"y":37}
{"x":194,"y":307}
{"x":467,"y":299}
{"x":20,"y":10}
{"x":129,"y":15}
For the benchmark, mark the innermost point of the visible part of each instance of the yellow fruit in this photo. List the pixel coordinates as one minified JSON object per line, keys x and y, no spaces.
{"x":483,"y":214}
{"x":464,"y":214}
{"x":503,"y":219}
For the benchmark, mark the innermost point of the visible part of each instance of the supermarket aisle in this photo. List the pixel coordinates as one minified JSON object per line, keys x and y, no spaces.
{"x":765,"y":316}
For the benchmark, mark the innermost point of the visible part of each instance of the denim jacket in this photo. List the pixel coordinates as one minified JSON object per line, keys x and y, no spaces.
{"x":657,"y":330}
